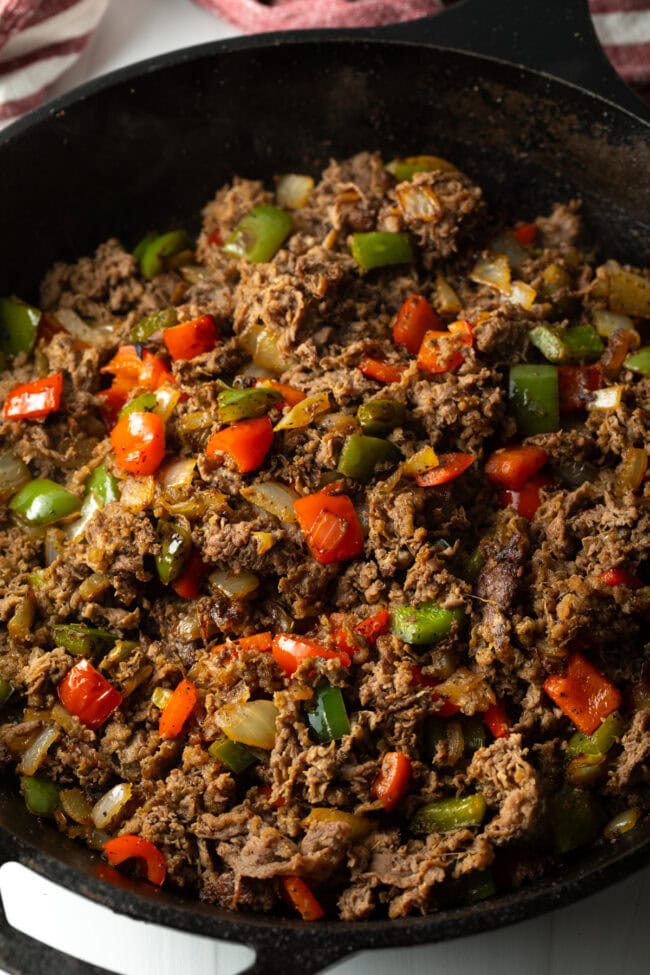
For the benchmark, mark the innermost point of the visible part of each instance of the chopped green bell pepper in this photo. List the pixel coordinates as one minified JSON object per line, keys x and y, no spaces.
{"x":103,"y":485}
{"x":533,"y":393}
{"x":600,"y":741}
{"x":145,"y":403}
{"x":176,"y":544}
{"x":121,"y":651}
{"x":246,"y":404}
{"x":232,"y":754}
{"x":259,"y":235}
{"x":329,"y":719}
{"x":583,"y":343}
{"x":6,"y":690}
{"x":360,"y":455}
{"x":379,"y":417}
{"x":81,"y":640}
{"x":43,"y":502}
{"x":575,"y":819}
{"x":18,"y":326}
{"x":443,"y":815}
{"x":41,"y":796}
{"x":155,"y":250}
{"x":156,"y":322}
{"x":423,"y":624}
{"x":639,"y":361}
{"x":549,"y":342}
{"x":476,"y":886}
{"x":380,"y":248}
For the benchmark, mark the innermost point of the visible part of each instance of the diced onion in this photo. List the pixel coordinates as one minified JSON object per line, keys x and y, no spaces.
{"x":493,"y":271}
{"x":188,"y":628}
{"x":607,"y":322}
{"x":292,"y":190}
{"x":418,"y":202}
{"x":264,"y":541}
{"x":304,"y":412}
{"x":76,"y":806}
{"x":468,"y":690}
{"x":627,"y":292}
{"x":77,"y":529}
{"x":621,"y":823}
{"x":447,"y":301}
{"x":506,"y":243}
{"x":14,"y":474}
{"x":634,"y":464}
{"x":34,"y":756}
{"x":261,"y":344}
{"x":257,"y":372}
{"x":111,"y":803}
{"x":94,"y":586}
{"x":273,"y":497}
{"x":160,"y":697}
{"x":75,"y":325}
{"x":359,"y":826}
{"x":250,"y":722}
{"x":235,"y":586}
{"x":167,"y":397}
{"x":176,"y":475}
{"x":608,"y":398}
{"x":522,"y":294}
{"x":53,"y":544}
{"x":194,"y":422}
{"x":421,"y":462}
{"x":137,"y":493}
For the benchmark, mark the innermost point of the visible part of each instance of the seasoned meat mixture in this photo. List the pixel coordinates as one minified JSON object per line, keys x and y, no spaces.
{"x":324,"y":546}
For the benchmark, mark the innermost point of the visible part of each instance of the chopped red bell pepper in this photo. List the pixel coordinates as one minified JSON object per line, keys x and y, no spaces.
{"x":382,"y":372}
{"x":214,"y":238}
{"x":87,"y":694}
{"x":128,"y":847}
{"x":138,"y":440}
{"x":497,"y":720}
{"x":300,"y":896}
{"x":246,"y":443}
{"x":35,"y":400}
{"x":188,"y":583}
{"x":375,"y":626}
{"x":290,"y":650}
{"x":178,"y":709}
{"x":575,"y":385}
{"x":415,"y":318}
{"x":190,"y":339}
{"x":331,"y":526}
{"x":511,"y":467}
{"x":525,"y":233}
{"x":447,"y":707}
{"x":261,"y":642}
{"x":527,"y":500}
{"x":441,"y":351}
{"x":584,"y":694}
{"x":449,"y":468}
{"x":393,"y":780}
{"x":145,"y":370}
{"x":620,"y":577}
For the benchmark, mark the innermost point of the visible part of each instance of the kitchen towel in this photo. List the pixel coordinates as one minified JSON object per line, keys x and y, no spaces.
{"x":40,"y":39}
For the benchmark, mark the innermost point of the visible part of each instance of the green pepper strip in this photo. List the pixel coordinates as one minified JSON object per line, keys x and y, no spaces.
{"x":549,"y":342}
{"x":176,"y":544}
{"x":42,"y":502}
{"x":145,"y":403}
{"x":575,"y":819}
{"x":584,"y":343}
{"x":600,"y":741}
{"x":232,"y":754}
{"x":260,"y":234}
{"x":6,"y":690}
{"x":152,"y":251}
{"x":360,"y":455}
{"x":246,"y":404}
{"x":18,"y":326}
{"x":81,"y":640}
{"x":153,"y":323}
{"x":476,"y":886}
{"x":380,"y":416}
{"x":533,"y":394}
{"x":423,"y":624}
{"x":103,"y":485}
{"x":121,"y":651}
{"x":380,"y":248}
{"x":329,"y":719}
{"x":41,"y":796}
{"x":640,"y":361}
{"x":443,"y":815}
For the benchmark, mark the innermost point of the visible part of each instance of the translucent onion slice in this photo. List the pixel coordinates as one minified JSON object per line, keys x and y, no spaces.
{"x":166,"y":399}
{"x":359,"y":826}
{"x":188,"y":628}
{"x":275,"y":498}
{"x":264,"y":541}
{"x":138,"y":493}
{"x":607,"y":322}
{"x":111,"y":803}
{"x":76,"y":806}
{"x":522,"y":294}
{"x":235,"y":586}
{"x":468,"y":690}
{"x":14,"y":474}
{"x":608,"y":398}
{"x":493,"y":271}
{"x":304,"y":412}
{"x":292,"y":190}
{"x":261,"y":344}
{"x":419,"y":463}
{"x":632,"y":469}
{"x":446,"y":301}
{"x":627,"y":292}
{"x":77,"y":529}
{"x":160,"y":697}
{"x":194,"y":422}
{"x":506,"y":243}
{"x":621,"y":823}
{"x":418,"y":202}
{"x":176,"y":475}
{"x":63,"y":718}
{"x":34,"y":756}
{"x":75,"y":325}
{"x":455,"y":742}
{"x":250,"y":722}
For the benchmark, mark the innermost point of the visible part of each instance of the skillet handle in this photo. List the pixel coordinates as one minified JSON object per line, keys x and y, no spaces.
{"x":557,"y":38}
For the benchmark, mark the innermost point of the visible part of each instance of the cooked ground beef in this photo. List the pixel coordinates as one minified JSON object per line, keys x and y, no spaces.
{"x":345,"y":657}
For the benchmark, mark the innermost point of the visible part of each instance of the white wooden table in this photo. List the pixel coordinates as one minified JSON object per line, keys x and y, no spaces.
{"x":608,"y":934}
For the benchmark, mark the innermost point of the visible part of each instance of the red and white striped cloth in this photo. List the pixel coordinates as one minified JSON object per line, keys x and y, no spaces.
{"x":40,"y":39}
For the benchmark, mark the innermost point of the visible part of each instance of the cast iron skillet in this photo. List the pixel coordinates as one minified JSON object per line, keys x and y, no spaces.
{"x":147,"y":146}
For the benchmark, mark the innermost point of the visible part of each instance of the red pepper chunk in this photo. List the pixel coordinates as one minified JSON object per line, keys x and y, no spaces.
{"x":497,"y":720}
{"x":246,"y":443}
{"x":178,"y":709}
{"x":331,"y":527}
{"x":441,"y":351}
{"x":298,"y":894}
{"x":139,"y":443}
{"x":128,"y":847}
{"x":575,"y":385}
{"x":415,"y":318}
{"x":375,"y":626}
{"x":584,"y":694}
{"x":87,"y":694}
{"x":35,"y":400}
{"x":188,"y":583}
{"x":260,"y":642}
{"x":190,"y":339}
{"x":289,"y":651}
{"x":450,"y":467}
{"x":525,"y":233}
{"x":447,"y":707}
{"x":526,"y":501}
{"x":393,"y":780}
{"x":620,"y":577}
{"x":382,"y":372}
{"x":146,"y":370}
{"x":511,"y":467}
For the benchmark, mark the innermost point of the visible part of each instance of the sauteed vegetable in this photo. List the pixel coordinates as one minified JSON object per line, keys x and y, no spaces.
{"x":324,"y":555}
